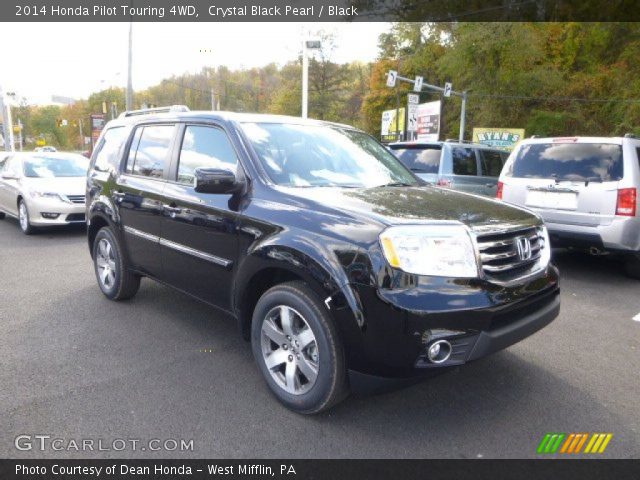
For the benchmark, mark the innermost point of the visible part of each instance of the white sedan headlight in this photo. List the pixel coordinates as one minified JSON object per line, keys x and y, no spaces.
{"x":46,"y":195}
{"x":437,"y":250}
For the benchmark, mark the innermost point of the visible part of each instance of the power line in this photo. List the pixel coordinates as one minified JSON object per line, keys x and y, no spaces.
{"x":557,"y":99}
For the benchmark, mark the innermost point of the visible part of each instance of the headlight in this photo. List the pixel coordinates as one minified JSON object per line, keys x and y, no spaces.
{"x":438,"y":250}
{"x":46,"y":195}
{"x":545,"y":247}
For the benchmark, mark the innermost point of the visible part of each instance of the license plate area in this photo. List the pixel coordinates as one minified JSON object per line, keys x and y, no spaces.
{"x":552,"y":200}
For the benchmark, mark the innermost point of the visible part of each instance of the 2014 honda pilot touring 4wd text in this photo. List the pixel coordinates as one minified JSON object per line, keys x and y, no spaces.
{"x":337,"y":262}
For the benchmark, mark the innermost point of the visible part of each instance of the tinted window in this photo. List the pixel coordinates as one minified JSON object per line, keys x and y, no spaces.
{"x":324,"y":156}
{"x":108,"y":152}
{"x":152,"y":151}
{"x":420,"y":160}
{"x":204,"y":147}
{"x":569,"y":161}
{"x":464,"y":161}
{"x":492,"y":162}
{"x":42,"y":166}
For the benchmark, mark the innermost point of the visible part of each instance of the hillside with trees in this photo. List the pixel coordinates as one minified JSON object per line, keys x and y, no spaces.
{"x":549,"y":78}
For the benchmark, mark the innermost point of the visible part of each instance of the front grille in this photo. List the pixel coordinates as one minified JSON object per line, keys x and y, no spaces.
{"x":76,"y":198}
{"x":500,"y":257}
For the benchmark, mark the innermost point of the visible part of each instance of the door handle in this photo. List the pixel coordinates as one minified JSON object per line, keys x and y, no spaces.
{"x":491,"y":185}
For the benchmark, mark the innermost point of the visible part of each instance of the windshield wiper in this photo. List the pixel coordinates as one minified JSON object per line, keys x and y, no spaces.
{"x":396,"y":184}
{"x":592,"y":179}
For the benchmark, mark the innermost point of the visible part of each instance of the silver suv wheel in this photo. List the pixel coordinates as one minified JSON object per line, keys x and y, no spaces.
{"x":106,"y":263}
{"x":289,"y":350}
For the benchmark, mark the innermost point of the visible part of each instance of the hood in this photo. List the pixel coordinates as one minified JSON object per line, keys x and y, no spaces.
{"x":61,"y":185}
{"x":402,"y":205}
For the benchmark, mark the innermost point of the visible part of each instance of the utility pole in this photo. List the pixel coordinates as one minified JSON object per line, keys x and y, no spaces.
{"x":81,"y":134}
{"x":5,"y":122}
{"x":463,"y":113}
{"x":129,"y":97}
{"x":307,"y":45}
{"x":213,"y":100}
{"x":20,"y":138}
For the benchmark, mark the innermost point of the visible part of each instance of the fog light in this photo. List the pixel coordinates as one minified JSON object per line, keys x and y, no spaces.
{"x":51,"y":216}
{"x":439,"y":352}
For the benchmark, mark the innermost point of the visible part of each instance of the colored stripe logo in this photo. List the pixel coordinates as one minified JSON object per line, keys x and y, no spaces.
{"x":573,"y":443}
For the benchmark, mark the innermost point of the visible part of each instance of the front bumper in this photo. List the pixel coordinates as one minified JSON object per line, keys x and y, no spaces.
{"x":477,"y":318}
{"x":44,"y":212}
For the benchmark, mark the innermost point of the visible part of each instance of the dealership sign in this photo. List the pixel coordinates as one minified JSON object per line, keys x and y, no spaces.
{"x":505,"y":138}
{"x":428,"y":121}
{"x":391,"y":128}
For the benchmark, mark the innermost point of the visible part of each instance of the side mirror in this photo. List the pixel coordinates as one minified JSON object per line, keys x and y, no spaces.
{"x":216,"y":180}
{"x":9,"y":176}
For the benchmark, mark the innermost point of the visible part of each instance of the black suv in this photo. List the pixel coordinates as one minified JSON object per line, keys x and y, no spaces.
{"x":337,"y":262}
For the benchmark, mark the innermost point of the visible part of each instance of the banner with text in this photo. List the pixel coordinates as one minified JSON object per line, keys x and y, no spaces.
{"x":504,"y":138}
{"x":428,"y":118}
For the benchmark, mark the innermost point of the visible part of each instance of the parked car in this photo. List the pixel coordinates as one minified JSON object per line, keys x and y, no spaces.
{"x":43,"y":189}
{"x":468,"y":167}
{"x":585,"y":189}
{"x":338,"y":264}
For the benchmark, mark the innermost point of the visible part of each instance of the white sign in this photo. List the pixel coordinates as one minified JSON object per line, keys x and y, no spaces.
{"x":391,"y":78}
{"x":447,"y":89}
{"x":388,"y":116}
{"x":417,"y":85}
{"x":413,"y":99}
{"x":428,"y":121}
{"x":412,"y":117}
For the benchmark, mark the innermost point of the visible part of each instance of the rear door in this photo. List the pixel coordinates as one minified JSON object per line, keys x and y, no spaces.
{"x":199,"y":230}
{"x":568,"y":181}
{"x":138,"y":193}
{"x":465,"y":171}
{"x":491,"y":163}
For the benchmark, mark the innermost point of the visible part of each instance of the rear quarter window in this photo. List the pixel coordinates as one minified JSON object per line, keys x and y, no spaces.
{"x":109,"y":150}
{"x":492,"y":162}
{"x":420,"y":160}
{"x":464,"y":161}
{"x":569,"y":161}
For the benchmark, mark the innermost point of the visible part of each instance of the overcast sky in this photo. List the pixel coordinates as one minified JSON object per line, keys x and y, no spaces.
{"x":76,"y":59}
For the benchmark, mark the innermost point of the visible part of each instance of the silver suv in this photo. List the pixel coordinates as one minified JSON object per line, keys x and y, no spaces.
{"x":469,"y":167}
{"x":585,"y":189}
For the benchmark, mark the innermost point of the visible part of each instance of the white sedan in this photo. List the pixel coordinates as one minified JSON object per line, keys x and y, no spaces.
{"x":42,"y":189}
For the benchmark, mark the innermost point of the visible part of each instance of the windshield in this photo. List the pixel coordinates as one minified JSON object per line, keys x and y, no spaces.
{"x":569,"y":161}
{"x":51,"y":167}
{"x":424,"y":159}
{"x":324,"y":156}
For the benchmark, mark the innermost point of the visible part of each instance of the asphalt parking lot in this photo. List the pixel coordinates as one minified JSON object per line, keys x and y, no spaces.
{"x":75,"y":365}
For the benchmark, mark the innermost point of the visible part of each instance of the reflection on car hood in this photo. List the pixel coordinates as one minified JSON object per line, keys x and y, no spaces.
{"x":402,"y":205}
{"x":62,"y":185}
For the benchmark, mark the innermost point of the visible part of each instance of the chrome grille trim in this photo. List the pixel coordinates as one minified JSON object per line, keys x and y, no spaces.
{"x":499,"y":256}
{"x":76,"y":198}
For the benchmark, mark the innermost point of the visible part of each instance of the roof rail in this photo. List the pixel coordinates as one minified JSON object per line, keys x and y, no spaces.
{"x":148,"y":111}
{"x":455,"y":140}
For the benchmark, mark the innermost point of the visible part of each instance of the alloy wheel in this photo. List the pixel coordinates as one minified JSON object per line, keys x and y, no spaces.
{"x":289,"y":350}
{"x":106,"y":263}
{"x":23,"y":216}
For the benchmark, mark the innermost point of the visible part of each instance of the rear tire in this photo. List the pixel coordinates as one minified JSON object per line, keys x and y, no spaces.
{"x":297,"y":349}
{"x":632,"y":265}
{"x":115,"y":279}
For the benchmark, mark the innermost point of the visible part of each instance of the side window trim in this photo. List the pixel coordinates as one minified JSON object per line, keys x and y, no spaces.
{"x":139,"y":128}
{"x":172,"y":176}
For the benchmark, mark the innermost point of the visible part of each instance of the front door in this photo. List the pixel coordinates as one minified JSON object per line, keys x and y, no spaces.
{"x":138,"y":194}
{"x":199,"y":236}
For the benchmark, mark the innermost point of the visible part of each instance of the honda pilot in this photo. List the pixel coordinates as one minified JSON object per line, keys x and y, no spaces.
{"x":339,"y":265}
{"x":585,"y":189}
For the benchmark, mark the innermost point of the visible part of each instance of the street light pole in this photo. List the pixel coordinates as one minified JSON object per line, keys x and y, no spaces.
{"x":305,"y":80}
{"x":5,"y":122}
{"x":129,"y":98}
{"x":463,"y":112}
{"x":306,"y":45}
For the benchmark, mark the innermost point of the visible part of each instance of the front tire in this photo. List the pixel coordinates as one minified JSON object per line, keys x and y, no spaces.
{"x":632,"y":265}
{"x":114,"y":277}
{"x":23,"y":218}
{"x":297,"y":349}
